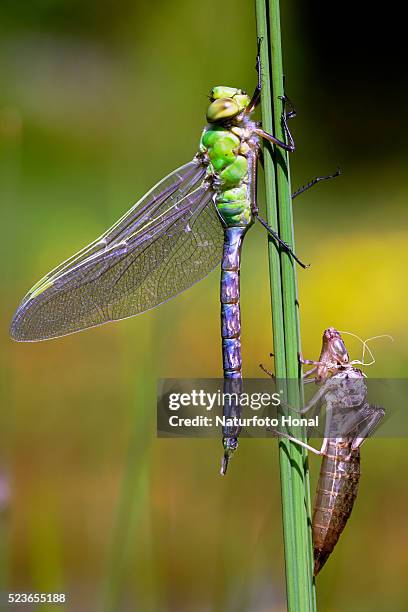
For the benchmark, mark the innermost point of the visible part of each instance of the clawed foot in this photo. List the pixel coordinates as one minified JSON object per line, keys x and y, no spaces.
{"x":289,"y":113}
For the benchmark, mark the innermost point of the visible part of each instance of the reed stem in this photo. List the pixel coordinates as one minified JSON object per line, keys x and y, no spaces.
{"x":295,"y":489}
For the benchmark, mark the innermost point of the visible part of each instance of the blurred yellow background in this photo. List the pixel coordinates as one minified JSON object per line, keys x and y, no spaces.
{"x":98,"y":101}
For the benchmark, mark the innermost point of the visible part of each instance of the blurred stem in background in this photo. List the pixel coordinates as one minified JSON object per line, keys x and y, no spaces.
{"x":295,"y":488}
{"x":134,"y":491}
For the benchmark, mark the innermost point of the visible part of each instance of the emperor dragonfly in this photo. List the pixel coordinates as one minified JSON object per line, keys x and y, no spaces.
{"x":171,"y":238}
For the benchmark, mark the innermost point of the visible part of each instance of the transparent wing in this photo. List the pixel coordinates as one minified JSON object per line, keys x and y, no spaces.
{"x":167,"y":192}
{"x":146,"y":258}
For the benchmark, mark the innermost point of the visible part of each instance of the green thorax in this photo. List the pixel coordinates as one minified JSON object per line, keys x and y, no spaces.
{"x":227,"y":155}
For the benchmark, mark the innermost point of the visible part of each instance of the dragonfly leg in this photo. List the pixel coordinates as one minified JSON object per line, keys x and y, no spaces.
{"x":313,"y":401}
{"x":284,"y":119}
{"x":303,"y":410}
{"x":271,"y":374}
{"x":252,"y":163}
{"x":309,"y":362}
{"x":279,"y":240}
{"x":288,"y":147}
{"x":325,"y":444}
{"x":309,"y":372}
{"x":314,"y":182}
{"x":291,"y":113}
{"x":282,"y":434}
{"x":256,"y":96}
{"x":308,"y":381}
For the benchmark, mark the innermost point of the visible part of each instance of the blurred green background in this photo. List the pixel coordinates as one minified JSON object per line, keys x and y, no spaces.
{"x":99,"y":100}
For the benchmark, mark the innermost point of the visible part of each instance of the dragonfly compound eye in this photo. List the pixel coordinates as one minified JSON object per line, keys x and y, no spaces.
{"x":223,"y":109}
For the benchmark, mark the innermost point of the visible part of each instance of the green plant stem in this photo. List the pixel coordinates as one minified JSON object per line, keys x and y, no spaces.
{"x":295,"y":489}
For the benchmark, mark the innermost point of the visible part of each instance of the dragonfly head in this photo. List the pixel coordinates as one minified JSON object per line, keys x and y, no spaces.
{"x":226,"y":103}
{"x":333,"y":356}
{"x":334,"y":347}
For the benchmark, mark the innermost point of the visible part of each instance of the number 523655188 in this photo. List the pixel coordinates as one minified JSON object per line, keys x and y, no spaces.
{"x":23,"y":598}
